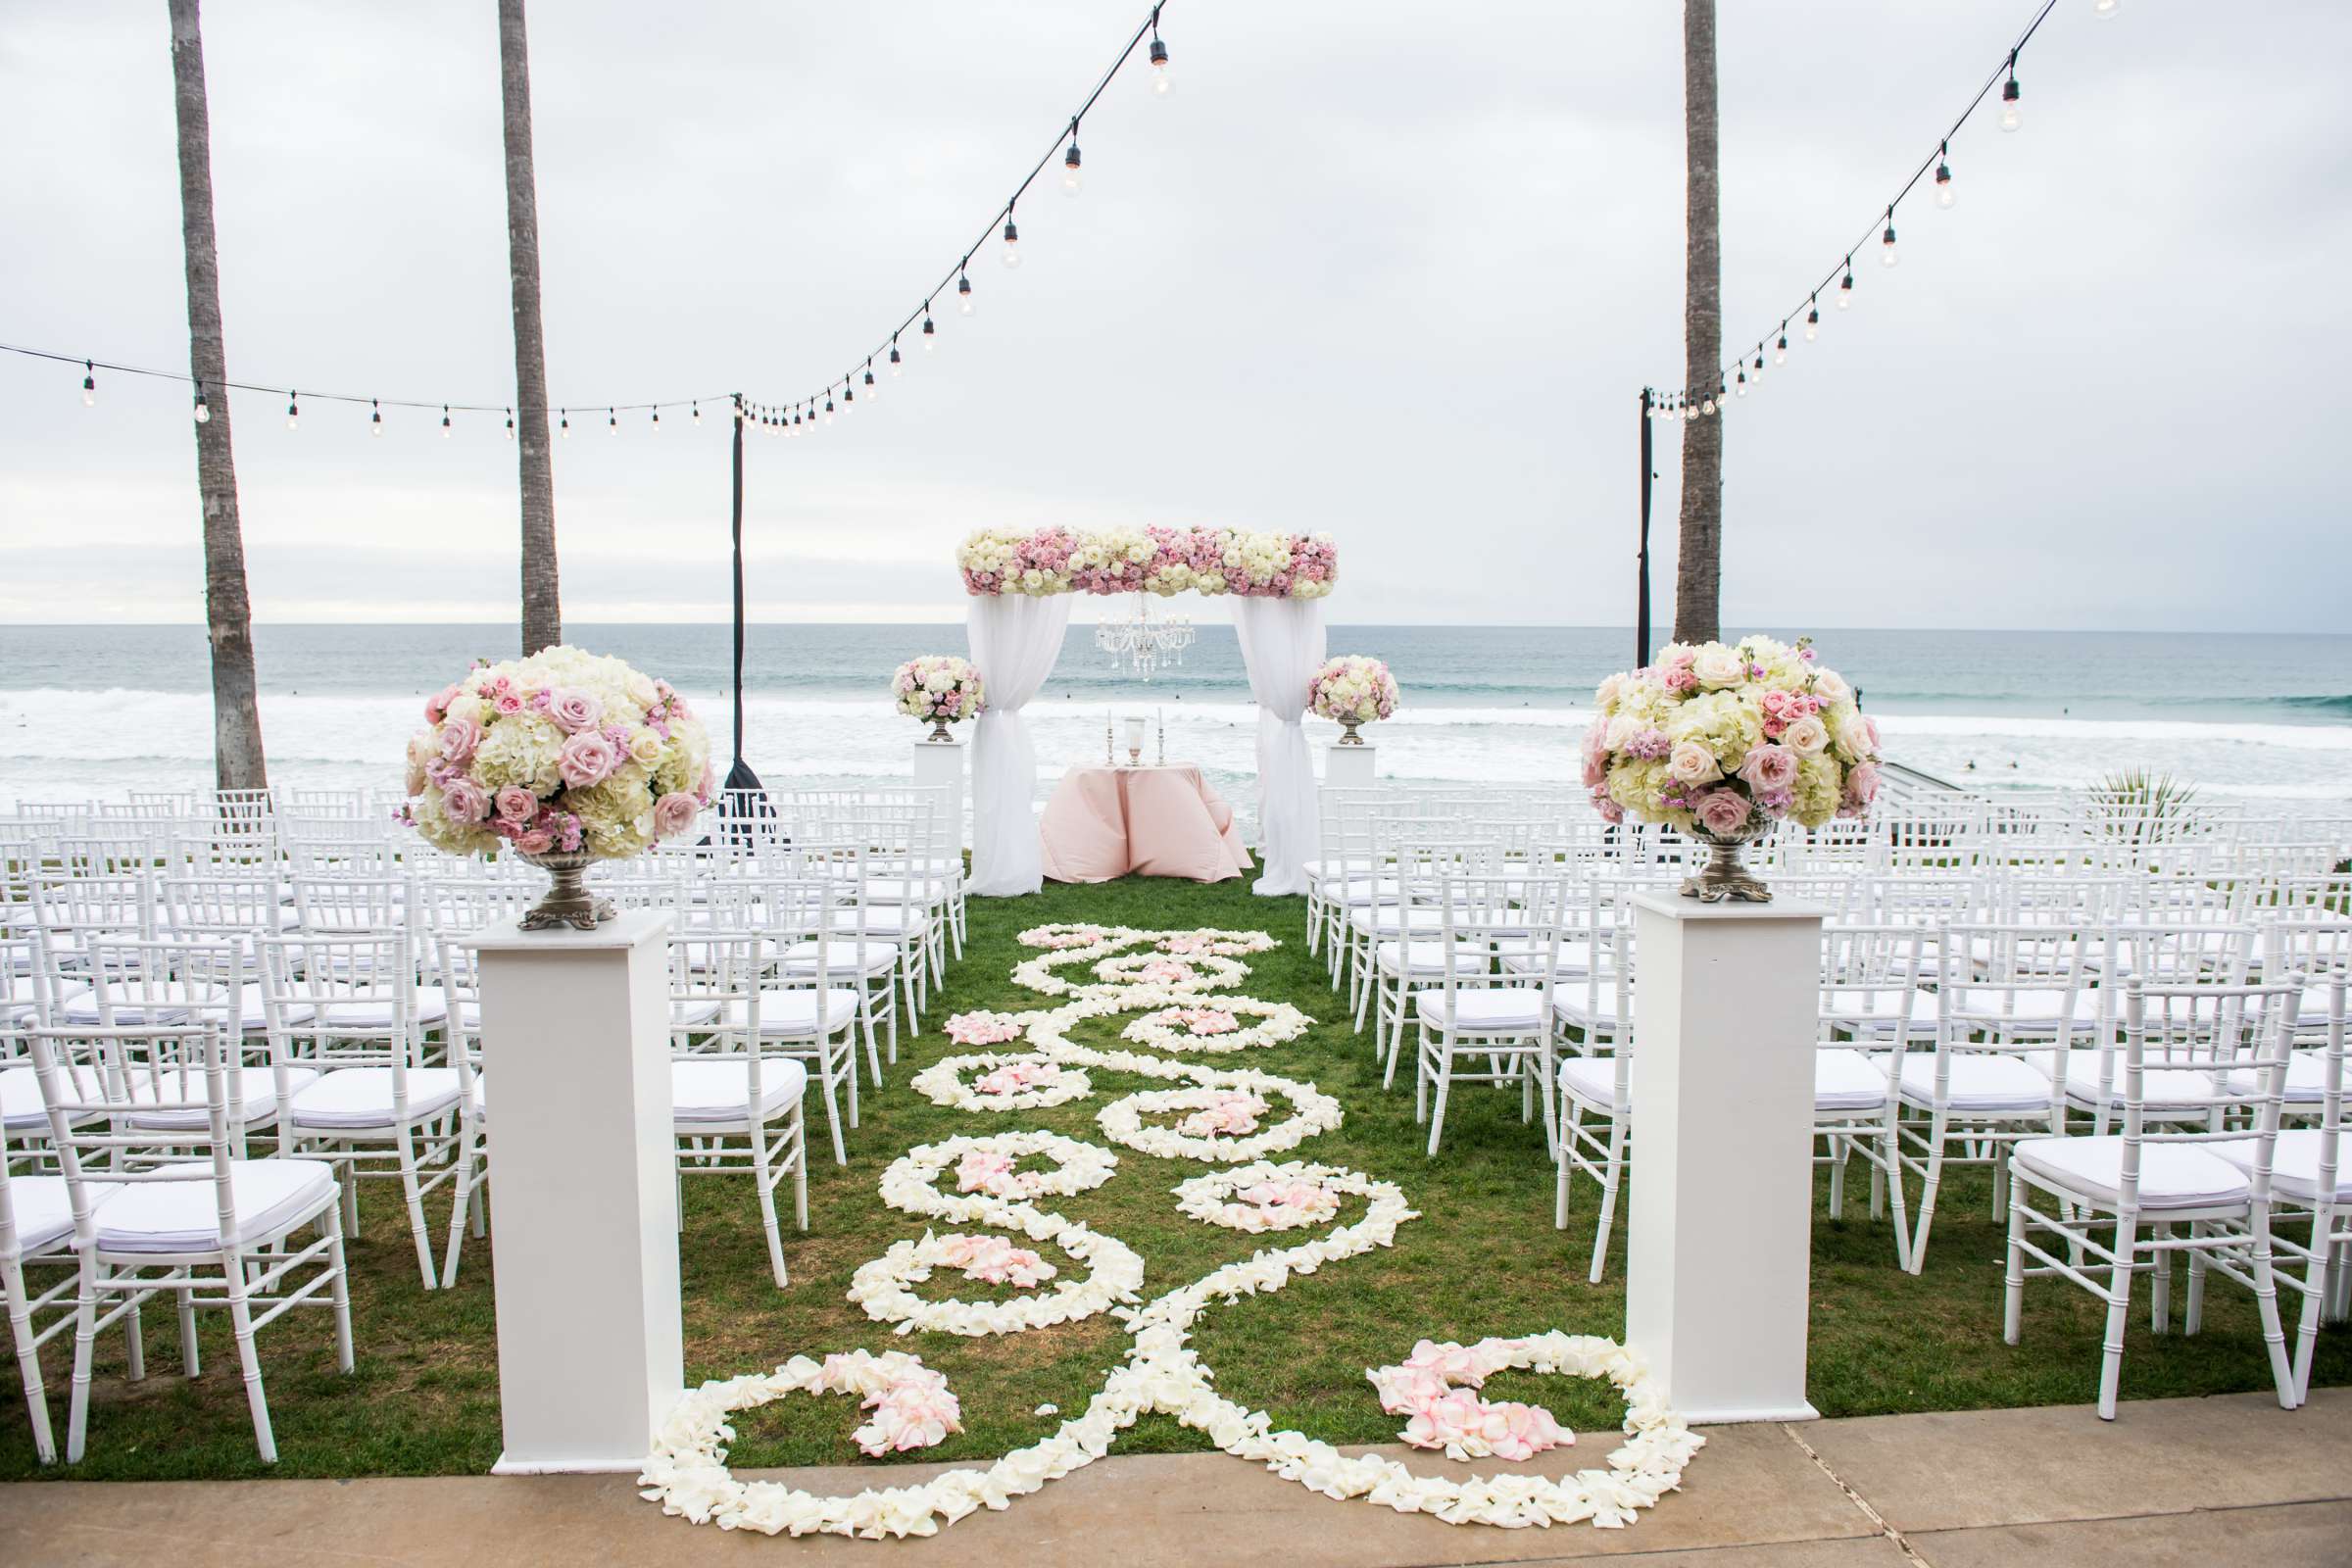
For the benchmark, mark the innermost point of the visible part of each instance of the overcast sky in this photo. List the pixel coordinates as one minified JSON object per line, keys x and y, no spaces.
{"x":1395,"y":271}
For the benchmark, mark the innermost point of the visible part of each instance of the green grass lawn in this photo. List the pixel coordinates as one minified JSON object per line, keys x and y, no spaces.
{"x":1483,"y":1260}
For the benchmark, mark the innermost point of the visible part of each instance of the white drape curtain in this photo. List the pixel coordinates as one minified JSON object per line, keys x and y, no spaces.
{"x":1282,"y":646}
{"x":1016,"y":639}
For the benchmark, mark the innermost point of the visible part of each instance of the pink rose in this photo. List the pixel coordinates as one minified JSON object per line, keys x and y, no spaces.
{"x":536,"y":842}
{"x":586,"y":759}
{"x":674,"y":815}
{"x":1723,"y":813}
{"x":1862,"y":784}
{"x":1768,"y":767}
{"x":574,"y":710}
{"x":464,"y":800}
{"x":507,"y":703}
{"x":436,"y":707}
{"x":517,"y":804}
{"x":1596,"y":771}
{"x":459,"y":738}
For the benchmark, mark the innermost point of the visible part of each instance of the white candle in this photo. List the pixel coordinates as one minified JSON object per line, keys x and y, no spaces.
{"x":1135,"y":733}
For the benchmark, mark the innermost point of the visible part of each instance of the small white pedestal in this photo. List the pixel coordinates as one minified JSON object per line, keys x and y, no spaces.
{"x":939,"y":764}
{"x":1350,"y":767}
{"x":1720,"y":1217}
{"x":583,"y":1199}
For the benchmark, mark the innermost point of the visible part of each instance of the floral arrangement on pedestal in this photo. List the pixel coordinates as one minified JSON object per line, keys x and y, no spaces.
{"x":564,"y":756}
{"x":1723,"y":741}
{"x":940,"y":689}
{"x":1149,"y":561}
{"x":1353,"y":690}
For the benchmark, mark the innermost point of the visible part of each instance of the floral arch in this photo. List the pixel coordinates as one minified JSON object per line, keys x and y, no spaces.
{"x":1020,"y":585}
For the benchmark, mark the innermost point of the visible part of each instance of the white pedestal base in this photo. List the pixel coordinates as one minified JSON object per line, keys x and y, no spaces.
{"x":583,"y":1200}
{"x":1350,"y":767}
{"x":939,"y":764}
{"x":1719,"y":1222}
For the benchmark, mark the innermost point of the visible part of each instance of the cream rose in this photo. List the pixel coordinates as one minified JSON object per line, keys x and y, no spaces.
{"x":1692,"y":764}
{"x":1830,"y":687}
{"x":1806,"y":737}
{"x":1718,"y":666}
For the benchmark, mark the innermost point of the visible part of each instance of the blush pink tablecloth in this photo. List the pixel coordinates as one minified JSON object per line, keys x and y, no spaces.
{"x":1105,"y":822}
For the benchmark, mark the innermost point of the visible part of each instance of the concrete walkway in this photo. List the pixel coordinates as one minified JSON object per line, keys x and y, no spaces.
{"x":2172,"y":1482}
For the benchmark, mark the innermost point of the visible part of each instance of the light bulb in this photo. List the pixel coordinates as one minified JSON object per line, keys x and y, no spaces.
{"x":445,"y":429}
{"x":2106,"y":10}
{"x":1708,"y":408}
{"x":930,"y":335}
{"x":1845,"y":289}
{"x":611,"y":422}
{"x":375,"y":418}
{"x":2012,"y":111}
{"x":1161,"y":82}
{"x":1945,"y":195}
{"x":89,"y":384}
{"x":1012,"y":244}
{"x":1739,"y":386}
{"x":963,"y":294}
{"x":1813,"y":324}
{"x":203,"y":409}
{"x":565,"y":430}
{"x":1886,"y":251}
{"x":293,"y":412}
{"x":897,"y":367}
{"x":872,"y":390}
{"x":1779,"y":353}
{"x":698,"y":414}
{"x":1070,"y":171}
{"x":657,"y":421}
{"x":509,"y":424}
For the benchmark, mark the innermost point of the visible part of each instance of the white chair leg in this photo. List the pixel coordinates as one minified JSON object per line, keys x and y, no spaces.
{"x":28,"y":1359}
{"x":414,"y":1198}
{"x":86,"y":1339}
{"x":2012,"y":1278}
{"x":249,"y":1361}
{"x":1614,"y":1179}
{"x":766,"y":1186}
{"x":2119,"y":1312}
{"x":339,"y":1292}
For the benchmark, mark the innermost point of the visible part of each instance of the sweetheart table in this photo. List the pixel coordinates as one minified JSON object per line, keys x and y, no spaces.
{"x":1106,"y":822}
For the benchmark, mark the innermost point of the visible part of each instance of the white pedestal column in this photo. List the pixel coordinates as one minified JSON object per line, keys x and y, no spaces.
{"x":1350,"y":767}
{"x":939,"y":764}
{"x":583,"y":1200}
{"x":1720,"y":1216}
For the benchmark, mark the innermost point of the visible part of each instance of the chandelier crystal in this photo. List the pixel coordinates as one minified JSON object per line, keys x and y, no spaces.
{"x":1143,"y":642}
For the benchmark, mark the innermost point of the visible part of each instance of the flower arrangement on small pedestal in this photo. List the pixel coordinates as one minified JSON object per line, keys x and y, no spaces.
{"x":939,"y":689}
{"x":566,"y":757}
{"x":1721,"y":743}
{"x":1353,"y":690}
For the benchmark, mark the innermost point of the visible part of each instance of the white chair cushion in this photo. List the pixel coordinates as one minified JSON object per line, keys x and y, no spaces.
{"x":906,"y":890}
{"x":1509,"y":1009}
{"x":361,"y":1097}
{"x":2171,"y":1175}
{"x":1575,"y":958}
{"x":2294,"y":1164}
{"x":1570,"y":1005}
{"x":1981,"y":1081}
{"x":2306,"y":1078}
{"x":691,"y":1013}
{"x":1870,"y":1010}
{"x":792,"y":1014}
{"x":902,"y":920}
{"x":2169,"y":1087}
{"x":376,"y":1012}
{"x":260,"y":1098}
{"x":720,"y":1090}
{"x":268,"y":1197}
{"x":1591,"y":1080}
{"x":21,"y":1109}
{"x":1391,"y":920}
{"x":842,"y":958}
{"x":1847,"y":1079}
{"x":1428,"y":958}
{"x":44,"y":1213}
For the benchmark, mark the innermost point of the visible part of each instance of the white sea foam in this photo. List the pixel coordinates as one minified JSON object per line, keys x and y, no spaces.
{"x":61,"y":745}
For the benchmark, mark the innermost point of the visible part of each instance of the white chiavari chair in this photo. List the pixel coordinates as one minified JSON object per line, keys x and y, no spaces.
{"x":175,"y":1210}
{"x":452,"y":910}
{"x":2163,"y":1175}
{"x":735,"y":1088}
{"x":810,"y":1011}
{"x":1501,"y":1017}
{"x":346,"y":1007}
{"x":1870,"y":1014}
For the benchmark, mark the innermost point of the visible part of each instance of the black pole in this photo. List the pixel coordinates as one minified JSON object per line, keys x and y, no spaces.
{"x":744,"y":794}
{"x":1641,"y":556}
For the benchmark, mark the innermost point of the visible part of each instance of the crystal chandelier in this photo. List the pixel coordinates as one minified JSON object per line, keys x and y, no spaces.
{"x":1143,"y":642}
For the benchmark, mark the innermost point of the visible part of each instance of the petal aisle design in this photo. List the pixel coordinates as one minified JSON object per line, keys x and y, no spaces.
{"x":1216,"y":1116}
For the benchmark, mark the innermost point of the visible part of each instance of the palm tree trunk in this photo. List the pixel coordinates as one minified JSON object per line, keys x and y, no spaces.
{"x":542,"y":604}
{"x":237,"y":760}
{"x":1698,"y":572}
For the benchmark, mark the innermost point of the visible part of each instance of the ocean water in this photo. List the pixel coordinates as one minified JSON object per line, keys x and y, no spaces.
{"x":92,"y":710}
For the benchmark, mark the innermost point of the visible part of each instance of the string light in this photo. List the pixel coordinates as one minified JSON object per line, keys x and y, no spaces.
{"x":293,"y":410}
{"x":657,"y":421}
{"x":611,"y":422}
{"x":1069,"y":164}
{"x":2013,"y":112}
{"x":698,"y":417}
{"x":872,"y":392}
{"x":1813,"y":320}
{"x":897,"y":367}
{"x":565,"y":430}
{"x":509,"y":424}
{"x":1886,"y":251}
{"x":1013,"y":241}
{"x":89,"y":384}
{"x":1945,"y":195}
{"x":828,"y":409}
{"x":1739,"y":384}
{"x":204,"y":410}
{"x":1161,"y":82}
{"x":1845,"y":289}
{"x":963,"y":292}
{"x":375,"y":418}
{"x":446,"y":432}
{"x":1780,"y":350}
